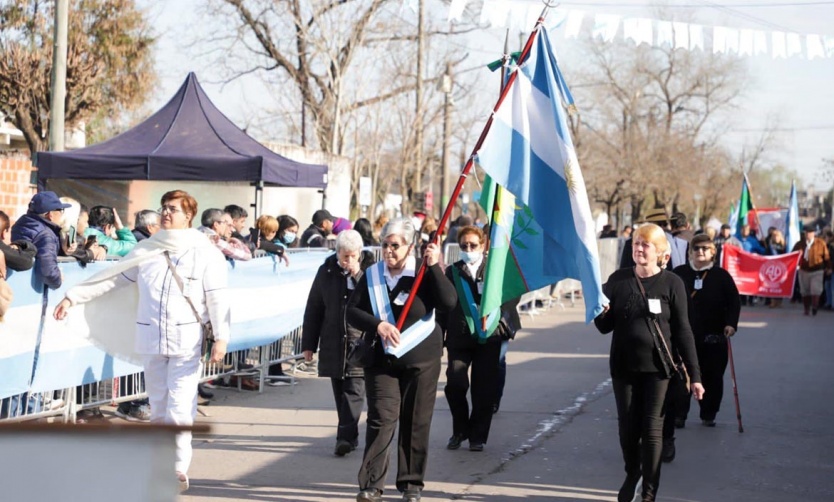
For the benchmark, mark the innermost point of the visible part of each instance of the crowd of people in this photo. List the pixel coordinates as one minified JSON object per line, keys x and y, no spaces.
{"x":672,"y":311}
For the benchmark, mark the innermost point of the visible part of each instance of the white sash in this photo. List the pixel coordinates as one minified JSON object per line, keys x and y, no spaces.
{"x":381,"y":305}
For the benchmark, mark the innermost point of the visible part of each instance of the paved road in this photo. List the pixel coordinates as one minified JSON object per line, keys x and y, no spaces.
{"x":555,"y":437}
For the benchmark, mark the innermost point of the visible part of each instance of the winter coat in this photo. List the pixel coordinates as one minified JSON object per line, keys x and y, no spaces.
{"x":313,"y":237}
{"x":44,"y":235}
{"x":19,"y":259}
{"x":325,"y":329}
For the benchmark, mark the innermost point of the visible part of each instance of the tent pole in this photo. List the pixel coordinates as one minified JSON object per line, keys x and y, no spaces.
{"x":259,"y":199}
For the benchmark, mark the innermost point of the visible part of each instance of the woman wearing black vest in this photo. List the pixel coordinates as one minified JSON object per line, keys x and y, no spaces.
{"x":639,"y":296}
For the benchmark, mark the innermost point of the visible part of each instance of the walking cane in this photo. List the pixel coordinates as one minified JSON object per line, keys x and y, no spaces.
{"x":735,"y":385}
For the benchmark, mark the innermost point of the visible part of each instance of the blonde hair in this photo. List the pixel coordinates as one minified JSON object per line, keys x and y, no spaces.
{"x":267,"y":224}
{"x":650,"y":232}
{"x":71,"y":214}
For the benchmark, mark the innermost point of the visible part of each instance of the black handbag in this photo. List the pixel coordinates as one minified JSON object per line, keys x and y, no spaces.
{"x":361,"y":351}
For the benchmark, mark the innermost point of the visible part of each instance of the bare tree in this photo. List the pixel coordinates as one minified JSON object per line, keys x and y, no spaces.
{"x":109,"y":62}
{"x":648,"y":123}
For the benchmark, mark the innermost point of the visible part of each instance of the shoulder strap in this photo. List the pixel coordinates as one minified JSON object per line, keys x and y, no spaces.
{"x":182,"y":288}
{"x":659,"y":334}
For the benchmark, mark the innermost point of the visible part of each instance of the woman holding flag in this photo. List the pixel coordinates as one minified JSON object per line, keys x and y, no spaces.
{"x":471,"y":343}
{"x":648,"y":315}
{"x":401,"y":380}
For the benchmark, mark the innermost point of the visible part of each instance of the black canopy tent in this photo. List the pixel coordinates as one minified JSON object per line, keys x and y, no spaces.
{"x":188,"y":139}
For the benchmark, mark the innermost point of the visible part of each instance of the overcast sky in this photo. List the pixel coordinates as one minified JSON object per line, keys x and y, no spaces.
{"x":798,"y":91}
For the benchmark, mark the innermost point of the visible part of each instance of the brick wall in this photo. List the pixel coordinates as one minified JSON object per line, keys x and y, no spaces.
{"x":15,"y":190}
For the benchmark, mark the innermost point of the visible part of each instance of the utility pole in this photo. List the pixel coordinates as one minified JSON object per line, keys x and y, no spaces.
{"x":447,"y":134}
{"x":59,"y":78}
{"x":418,"y":119}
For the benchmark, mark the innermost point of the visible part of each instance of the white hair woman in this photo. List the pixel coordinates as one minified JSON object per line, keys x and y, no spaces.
{"x":641,"y":295}
{"x":401,"y":381}
{"x":324,"y":330}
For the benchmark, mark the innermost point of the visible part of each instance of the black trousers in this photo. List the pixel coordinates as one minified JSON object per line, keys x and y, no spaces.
{"x":349,"y":394}
{"x":640,"y":398}
{"x":483,"y":359}
{"x":713,"y":359}
{"x":403,"y":394}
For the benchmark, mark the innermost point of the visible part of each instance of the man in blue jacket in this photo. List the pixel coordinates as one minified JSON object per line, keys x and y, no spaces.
{"x":40,"y":226}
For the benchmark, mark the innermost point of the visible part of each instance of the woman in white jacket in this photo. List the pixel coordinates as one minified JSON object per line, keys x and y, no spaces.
{"x":141,"y":289}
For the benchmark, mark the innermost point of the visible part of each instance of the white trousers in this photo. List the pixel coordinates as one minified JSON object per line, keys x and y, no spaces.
{"x":171,"y":383}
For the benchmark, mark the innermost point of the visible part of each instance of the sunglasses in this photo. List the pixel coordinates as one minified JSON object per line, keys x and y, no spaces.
{"x":392,"y":245}
{"x":469,"y":246}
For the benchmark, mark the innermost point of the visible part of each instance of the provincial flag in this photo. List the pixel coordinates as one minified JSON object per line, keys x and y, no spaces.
{"x":792,"y":235}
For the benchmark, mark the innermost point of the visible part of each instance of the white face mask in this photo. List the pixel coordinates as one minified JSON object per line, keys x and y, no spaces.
{"x":470,"y":256}
{"x":288,"y":238}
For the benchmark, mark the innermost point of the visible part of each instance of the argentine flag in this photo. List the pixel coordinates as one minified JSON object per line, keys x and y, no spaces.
{"x":528,"y":150}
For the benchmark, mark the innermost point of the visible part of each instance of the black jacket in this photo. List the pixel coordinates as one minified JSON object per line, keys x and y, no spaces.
{"x":632,"y":345}
{"x":313,"y":237}
{"x":436,"y":292}
{"x":20,"y":259}
{"x":715,"y":305}
{"x":454,"y":324}
{"x":325,"y":329}
{"x":44,"y":235}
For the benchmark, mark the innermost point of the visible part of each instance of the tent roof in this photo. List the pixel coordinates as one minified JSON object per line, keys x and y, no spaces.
{"x":187,"y":139}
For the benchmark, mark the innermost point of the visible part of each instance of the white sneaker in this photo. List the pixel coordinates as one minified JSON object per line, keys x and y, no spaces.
{"x":183,"y":481}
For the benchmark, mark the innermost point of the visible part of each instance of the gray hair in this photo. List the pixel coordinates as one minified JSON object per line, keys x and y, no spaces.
{"x":145,"y":218}
{"x":402,"y":227}
{"x":211,"y":216}
{"x":350,"y":241}
{"x":71,"y":214}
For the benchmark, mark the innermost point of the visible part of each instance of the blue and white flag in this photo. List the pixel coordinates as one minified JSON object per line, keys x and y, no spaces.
{"x":529,"y":151}
{"x":792,"y":234}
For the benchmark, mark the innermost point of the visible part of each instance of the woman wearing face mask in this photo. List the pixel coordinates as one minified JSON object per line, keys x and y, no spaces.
{"x":469,"y":344}
{"x":287,"y":232}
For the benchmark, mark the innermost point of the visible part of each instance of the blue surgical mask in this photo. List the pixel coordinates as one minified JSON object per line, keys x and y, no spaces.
{"x":470,"y":256}
{"x":288,"y":238}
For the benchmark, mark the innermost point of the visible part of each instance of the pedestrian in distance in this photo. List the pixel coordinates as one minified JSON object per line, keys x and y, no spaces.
{"x":643,"y":299}
{"x":813,"y":264}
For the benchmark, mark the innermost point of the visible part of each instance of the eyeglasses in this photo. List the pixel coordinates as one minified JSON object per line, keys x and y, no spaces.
{"x":702,"y":249}
{"x":60,"y":210}
{"x":469,"y":246}
{"x":169,"y":210}
{"x":392,"y":245}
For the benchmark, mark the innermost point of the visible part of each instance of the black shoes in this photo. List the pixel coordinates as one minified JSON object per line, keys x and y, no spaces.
{"x":203,"y":392}
{"x":455,"y":441}
{"x":668,"y":452}
{"x":626,"y":493}
{"x":708,"y":422}
{"x":369,"y":495}
{"x":411,"y":495}
{"x":343,"y":447}
{"x":680,"y":423}
{"x":476,"y":446}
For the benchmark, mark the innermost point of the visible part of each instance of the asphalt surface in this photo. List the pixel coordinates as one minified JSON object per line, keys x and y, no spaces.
{"x":555,"y":436}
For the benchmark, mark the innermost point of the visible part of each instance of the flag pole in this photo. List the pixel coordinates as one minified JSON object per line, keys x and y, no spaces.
{"x":418,"y":279}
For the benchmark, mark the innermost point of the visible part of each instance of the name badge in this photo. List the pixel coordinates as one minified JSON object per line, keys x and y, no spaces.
{"x":654,"y":306}
{"x":699,"y":283}
{"x":480,"y":287}
{"x":401,"y":298}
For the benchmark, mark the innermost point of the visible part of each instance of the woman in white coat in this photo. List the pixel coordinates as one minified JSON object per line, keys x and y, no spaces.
{"x":141,"y":290}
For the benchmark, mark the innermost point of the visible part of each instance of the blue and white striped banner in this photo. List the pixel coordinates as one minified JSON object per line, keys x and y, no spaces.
{"x":268,"y":301}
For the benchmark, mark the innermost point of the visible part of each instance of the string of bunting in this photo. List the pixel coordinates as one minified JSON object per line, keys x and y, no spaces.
{"x":519,"y":14}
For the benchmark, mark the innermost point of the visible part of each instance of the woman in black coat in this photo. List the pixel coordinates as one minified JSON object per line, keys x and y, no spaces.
{"x":326,"y":331}
{"x":400,"y":389}
{"x":639,"y":296}
{"x":468,"y":345}
{"x":714,"y":308}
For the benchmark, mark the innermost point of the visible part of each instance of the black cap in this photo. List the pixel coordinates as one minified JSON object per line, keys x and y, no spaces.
{"x":321,"y":215}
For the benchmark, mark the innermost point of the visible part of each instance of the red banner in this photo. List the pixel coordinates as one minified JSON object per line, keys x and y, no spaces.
{"x":757,"y":275}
